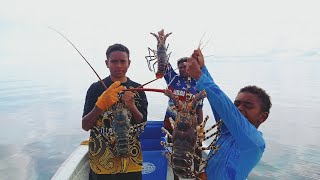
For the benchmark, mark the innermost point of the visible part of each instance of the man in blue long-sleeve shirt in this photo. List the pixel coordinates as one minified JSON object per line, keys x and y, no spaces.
{"x":241,"y":144}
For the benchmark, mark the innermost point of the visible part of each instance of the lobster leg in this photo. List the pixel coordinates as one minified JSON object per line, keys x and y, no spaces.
{"x":151,"y":58}
{"x":139,"y":127}
{"x":218,"y":124}
{"x":208,"y":137}
{"x":153,"y":66}
{"x":203,"y":124}
{"x":171,"y":122}
{"x":136,"y":129}
{"x":166,"y":131}
{"x":149,"y":64}
{"x":201,"y":135}
{"x":166,"y":145}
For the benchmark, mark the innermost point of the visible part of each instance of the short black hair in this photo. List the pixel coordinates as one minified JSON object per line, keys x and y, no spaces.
{"x":117,"y":47}
{"x":261,"y":93}
{"x":182,"y":60}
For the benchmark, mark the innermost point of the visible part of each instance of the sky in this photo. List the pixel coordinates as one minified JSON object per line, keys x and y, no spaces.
{"x":281,"y":28}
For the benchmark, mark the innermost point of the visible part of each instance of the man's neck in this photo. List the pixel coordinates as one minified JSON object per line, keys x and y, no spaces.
{"x":122,"y":79}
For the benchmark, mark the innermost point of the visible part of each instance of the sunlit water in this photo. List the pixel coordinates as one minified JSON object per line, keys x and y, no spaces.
{"x":41,"y":107}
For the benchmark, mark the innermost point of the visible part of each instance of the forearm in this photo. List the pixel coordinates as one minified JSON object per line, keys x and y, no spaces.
{"x":205,"y":71}
{"x":89,"y":120}
{"x":169,"y":73}
{"x":137,"y":116}
{"x":237,"y":124}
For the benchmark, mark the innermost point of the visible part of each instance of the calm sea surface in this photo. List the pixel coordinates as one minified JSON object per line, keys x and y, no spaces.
{"x":41,"y":106}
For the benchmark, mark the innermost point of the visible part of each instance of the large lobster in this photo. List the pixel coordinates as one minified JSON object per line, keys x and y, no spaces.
{"x":122,"y":134}
{"x":160,"y":55}
{"x":185,"y":138}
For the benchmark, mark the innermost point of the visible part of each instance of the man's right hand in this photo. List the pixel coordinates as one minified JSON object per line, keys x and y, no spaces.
{"x":197,"y":54}
{"x":109,"y":96}
{"x":193,"y":68}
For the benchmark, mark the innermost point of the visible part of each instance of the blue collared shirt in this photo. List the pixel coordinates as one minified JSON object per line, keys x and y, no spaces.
{"x":241,"y":144}
{"x":179,"y":86}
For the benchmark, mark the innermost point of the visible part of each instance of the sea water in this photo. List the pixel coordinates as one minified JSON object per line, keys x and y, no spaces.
{"x":41,"y":106}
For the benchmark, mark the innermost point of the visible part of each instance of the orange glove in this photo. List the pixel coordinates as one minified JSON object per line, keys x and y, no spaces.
{"x":109,"y":96}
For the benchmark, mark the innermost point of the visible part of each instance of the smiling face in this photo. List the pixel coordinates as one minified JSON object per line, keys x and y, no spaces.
{"x":250,"y":105}
{"x":118,"y":63}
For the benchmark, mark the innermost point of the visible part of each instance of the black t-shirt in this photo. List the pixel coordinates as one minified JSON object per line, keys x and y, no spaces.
{"x":96,"y":89}
{"x":103,"y":157}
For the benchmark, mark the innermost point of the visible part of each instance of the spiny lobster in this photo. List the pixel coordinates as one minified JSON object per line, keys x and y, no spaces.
{"x":121,"y":134}
{"x":160,"y":55}
{"x":185,"y":139}
{"x":187,"y":136}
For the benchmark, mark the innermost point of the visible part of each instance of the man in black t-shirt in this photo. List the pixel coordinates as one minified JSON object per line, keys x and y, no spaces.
{"x":100,"y":108}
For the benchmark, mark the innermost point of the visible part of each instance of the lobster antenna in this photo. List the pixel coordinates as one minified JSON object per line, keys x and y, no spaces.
{"x":141,"y":86}
{"x":104,"y":85}
{"x":200,"y":42}
{"x":153,"y":80}
{"x":206,"y":43}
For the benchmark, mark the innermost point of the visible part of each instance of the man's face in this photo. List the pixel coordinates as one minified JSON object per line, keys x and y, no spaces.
{"x":250,"y":106}
{"x":118,"y":64}
{"x":182,"y":69}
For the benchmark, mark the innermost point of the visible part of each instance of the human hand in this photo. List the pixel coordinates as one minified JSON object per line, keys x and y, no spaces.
{"x":197,"y":54}
{"x":193,"y":68}
{"x":128,"y":98}
{"x":109,"y":96}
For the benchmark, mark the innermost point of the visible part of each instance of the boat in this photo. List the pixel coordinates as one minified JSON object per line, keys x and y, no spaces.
{"x":155,"y":164}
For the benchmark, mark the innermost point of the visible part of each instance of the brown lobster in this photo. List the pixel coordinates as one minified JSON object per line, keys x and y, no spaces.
{"x":160,"y":55}
{"x":186,"y":136}
{"x":121,"y":134}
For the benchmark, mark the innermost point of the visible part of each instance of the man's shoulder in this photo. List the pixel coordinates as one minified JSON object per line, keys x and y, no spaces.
{"x":98,"y":84}
{"x":95,"y":85}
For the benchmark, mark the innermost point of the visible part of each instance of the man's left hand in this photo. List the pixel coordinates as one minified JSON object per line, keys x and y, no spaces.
{"x":128,"y":98}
